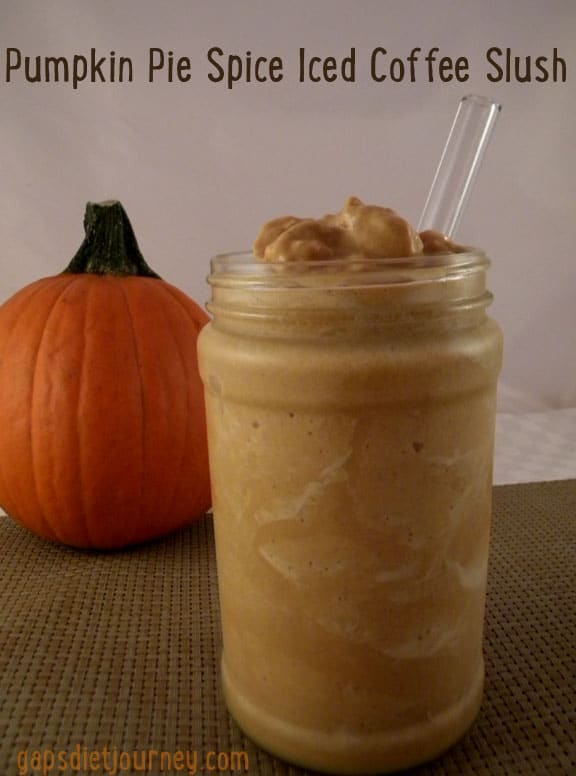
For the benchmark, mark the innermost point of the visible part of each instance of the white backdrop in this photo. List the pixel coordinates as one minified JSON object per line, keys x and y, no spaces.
{"x":199,"y":167}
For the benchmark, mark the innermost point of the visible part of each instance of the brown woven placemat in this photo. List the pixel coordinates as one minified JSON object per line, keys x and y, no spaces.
{"x":119,"y":651}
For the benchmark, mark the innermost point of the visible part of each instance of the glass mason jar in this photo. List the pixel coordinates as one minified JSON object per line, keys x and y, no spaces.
{"x":350,"y":411}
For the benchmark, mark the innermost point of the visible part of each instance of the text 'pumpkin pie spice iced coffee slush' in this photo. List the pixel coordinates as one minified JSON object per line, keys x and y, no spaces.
{"x":350,"y":374}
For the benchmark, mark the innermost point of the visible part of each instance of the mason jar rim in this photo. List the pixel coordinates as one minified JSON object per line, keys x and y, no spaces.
{"x":243,"y":267}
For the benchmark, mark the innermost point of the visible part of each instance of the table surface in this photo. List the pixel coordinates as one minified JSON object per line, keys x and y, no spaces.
{"x":121,"y":649}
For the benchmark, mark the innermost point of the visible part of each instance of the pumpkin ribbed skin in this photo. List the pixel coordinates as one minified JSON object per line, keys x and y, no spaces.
{"x":102,"y":425}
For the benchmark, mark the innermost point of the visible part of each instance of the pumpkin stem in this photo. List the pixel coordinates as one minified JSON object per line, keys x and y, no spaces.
{"x":110,"y":247}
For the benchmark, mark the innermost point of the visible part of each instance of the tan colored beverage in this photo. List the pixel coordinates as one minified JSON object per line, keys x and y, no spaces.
{"x":351,"y":420}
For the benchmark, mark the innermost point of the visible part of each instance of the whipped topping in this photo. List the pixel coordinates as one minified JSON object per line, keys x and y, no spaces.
{"x":356,"y":231}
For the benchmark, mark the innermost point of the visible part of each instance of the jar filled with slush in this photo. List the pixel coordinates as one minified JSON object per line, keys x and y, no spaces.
{"x":350,"y":374}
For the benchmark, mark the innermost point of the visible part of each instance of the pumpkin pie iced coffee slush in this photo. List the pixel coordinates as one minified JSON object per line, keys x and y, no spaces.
{"x":350,"y":374}
{"x":350,"y":378}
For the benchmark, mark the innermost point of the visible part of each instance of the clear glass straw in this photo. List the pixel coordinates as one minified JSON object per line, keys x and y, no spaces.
{"x":459,"y":164}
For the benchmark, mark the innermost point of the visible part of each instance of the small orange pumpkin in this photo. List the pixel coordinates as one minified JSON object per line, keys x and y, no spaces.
{"x":102,"y":424}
